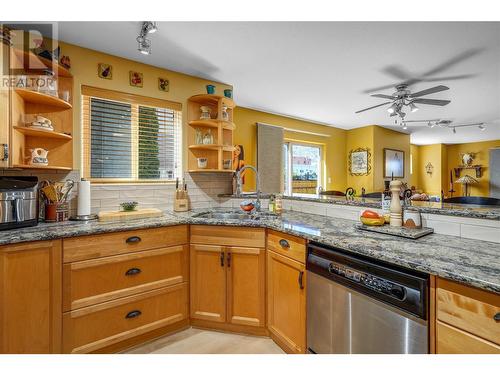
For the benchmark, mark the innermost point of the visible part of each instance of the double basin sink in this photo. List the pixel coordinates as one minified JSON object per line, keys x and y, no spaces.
{"x":234,"y":215}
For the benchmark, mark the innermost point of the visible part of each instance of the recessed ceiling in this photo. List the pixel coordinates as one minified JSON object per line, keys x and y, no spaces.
{"x":319,"y":71}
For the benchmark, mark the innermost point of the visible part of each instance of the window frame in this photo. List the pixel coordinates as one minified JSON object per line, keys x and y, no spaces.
{"x":88,"y":92}
{"x":288,"y":173}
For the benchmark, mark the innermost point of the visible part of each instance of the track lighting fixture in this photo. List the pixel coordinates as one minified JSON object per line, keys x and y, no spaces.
{"x":413,"y":107}
{"x":147,"y":27}
{"x":481,"y":127}
{"x":454,"y":131}
{"x":404,"y":126}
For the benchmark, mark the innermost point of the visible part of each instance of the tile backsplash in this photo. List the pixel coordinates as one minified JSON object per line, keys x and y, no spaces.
{"x":203,"y":189}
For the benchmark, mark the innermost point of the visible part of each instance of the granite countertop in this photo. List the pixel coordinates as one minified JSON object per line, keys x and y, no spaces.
{"x":472,"y":262}
{"x":437,"y":208}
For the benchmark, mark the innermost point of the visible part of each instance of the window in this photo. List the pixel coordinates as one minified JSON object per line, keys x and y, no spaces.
{"x":302,"y":165}
{"x":129,"y":138}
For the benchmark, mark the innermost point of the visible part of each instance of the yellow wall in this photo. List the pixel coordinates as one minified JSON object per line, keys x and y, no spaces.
{"x":360,"y":138}
{"x":431,"y":183}
{"x":333,"y":146}
{"x":481,"y":149}
{"x":84,"y":69}
{"x":414,"y":174}
{"x":386,"y":138}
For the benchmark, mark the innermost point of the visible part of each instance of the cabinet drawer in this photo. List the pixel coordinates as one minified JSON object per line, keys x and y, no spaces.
{"x":99,"y":280}
{"x":469,"y":309}
{"x":287,"y":245}
{"x":451,"y":340}
{"x":228,"y":236}
{"x":92,"y":328}
{"x":101,"y":245}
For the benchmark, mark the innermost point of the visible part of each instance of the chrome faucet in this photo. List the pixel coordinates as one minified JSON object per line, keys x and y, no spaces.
{"x":257,"y":183}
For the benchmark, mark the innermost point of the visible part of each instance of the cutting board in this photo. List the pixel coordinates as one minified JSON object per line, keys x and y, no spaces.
{"x":117,"y":216}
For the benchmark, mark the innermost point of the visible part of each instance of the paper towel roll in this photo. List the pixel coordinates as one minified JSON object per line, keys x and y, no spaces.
{"x":83,"y":198}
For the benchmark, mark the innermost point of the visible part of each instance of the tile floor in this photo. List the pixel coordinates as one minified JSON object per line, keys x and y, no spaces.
{"x":197,"y":341}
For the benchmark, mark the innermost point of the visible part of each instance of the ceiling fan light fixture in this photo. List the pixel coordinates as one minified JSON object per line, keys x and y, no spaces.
{"x":481,"y":127}
{"x":413,"y":107}
{"x":393,"y":108}
{"x":144,"y":46}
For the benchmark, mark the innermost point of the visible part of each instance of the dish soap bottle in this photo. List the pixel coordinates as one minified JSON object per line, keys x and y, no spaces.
{"x":272,"y":200}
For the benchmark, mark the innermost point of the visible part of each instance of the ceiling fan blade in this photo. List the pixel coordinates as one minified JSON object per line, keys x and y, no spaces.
{"x":432,"y":90}
{"x":451,"y":78}
{"x":375,"y":106}
{"x":384,"y":96}
{"x":431,"y":101}
{"x":381,"y":88}
{"x":397,"y":71}
{"x":454,"y":60}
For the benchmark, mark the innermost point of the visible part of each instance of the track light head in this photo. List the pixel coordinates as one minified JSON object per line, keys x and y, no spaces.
{"x":144,"y":46}
{"x":454,"y":131}
{"x":481,"y":127}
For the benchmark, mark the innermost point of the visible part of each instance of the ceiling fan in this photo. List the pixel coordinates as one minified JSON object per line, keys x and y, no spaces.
{"x":447,"y":124}
{"x":403,"y":97}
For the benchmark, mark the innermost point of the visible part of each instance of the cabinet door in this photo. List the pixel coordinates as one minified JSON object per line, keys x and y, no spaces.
{"x":30,"y":292}
{"x":4,"y":108}
{"x":246,"y":282}
{"x":286,"y":302}
{"x":208,"y":283}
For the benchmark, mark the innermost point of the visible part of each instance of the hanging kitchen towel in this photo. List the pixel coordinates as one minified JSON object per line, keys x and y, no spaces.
{"x":270,"y":157}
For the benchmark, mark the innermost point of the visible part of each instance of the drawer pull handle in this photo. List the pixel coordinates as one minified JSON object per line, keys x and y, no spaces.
{"x":133,"y":314}
{"x":284,"y":244}
{"x":133,"y":239}
{"x":133,"y":271}
{"x":222,"y":258}
{"x":497,"y":317}
{"x":228,"y":260}
{"x":301,"y":281}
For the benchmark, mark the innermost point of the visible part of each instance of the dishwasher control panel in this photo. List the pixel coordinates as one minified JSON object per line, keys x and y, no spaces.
{"x":375,"y":283}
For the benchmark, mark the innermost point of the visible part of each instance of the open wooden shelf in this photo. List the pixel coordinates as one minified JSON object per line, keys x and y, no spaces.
{"x":211,"y":170}
{"x":212,"y":124}
{"x":27,"y":166}
{"x":207,"y":99}
{"x":205,"y":147}
{"x":42,"y":133}
{"x":35,"y":97}
{"x":39,"y":62}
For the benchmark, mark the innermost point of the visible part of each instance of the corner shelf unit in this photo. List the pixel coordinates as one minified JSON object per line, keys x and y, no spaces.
{"x":26,"y":104}
{"x":221,"y":130}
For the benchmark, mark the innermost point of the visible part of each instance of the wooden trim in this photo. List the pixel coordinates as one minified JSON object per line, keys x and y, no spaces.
{"x":228,"y":327}
{"x":56,"y":296}
{"x":130,"y":98}
{"x":432,"y":314}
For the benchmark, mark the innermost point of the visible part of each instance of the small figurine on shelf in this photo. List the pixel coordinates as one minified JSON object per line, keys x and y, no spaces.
{"x":225,"y":115}
{"x":38,"y":157}
{"x":199,"y":137}
{"x":66,"y":62}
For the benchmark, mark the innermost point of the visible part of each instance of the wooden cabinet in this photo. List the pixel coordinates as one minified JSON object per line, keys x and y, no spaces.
{"x":119,"y":286}
{"x":5,"y":94}
{"x":30,"y":297}
{"x":468,"y":319}
{"x":228,"y":279}
{"x":286,"y":302}
{"x":246,"y":282}
{"x":208,"y":283}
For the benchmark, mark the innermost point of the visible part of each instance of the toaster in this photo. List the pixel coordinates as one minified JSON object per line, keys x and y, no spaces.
{"x":18,"y":201}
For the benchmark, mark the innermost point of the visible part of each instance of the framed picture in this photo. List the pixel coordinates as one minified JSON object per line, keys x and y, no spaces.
{"x":394,"y":163}
{"x":163,"y":84}
{"x":105,"y":71}
{"x":360,"y":162}
{"x":136,"y":79}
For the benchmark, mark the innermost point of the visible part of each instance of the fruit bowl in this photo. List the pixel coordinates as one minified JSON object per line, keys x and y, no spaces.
{"x":247,"y":206}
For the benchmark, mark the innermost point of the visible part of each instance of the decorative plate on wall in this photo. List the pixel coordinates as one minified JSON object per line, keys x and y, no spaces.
{"x":360,"y":162}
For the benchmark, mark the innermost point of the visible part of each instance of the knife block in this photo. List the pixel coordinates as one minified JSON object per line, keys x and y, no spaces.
{"x":181,"y":201}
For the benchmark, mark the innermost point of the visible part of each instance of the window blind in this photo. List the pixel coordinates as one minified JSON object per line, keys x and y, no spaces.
{"x":130,"y":139}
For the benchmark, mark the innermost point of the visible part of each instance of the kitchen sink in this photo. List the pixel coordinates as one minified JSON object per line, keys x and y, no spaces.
{"x":233,"y":215}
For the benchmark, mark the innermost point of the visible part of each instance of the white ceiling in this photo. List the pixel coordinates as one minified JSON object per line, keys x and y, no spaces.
{"x":319,"y":71}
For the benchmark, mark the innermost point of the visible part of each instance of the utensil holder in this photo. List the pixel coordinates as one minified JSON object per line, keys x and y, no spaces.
{"x":56,"y":212}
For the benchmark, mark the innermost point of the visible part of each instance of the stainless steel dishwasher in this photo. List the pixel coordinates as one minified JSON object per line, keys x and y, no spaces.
{"x":356,"y":305}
